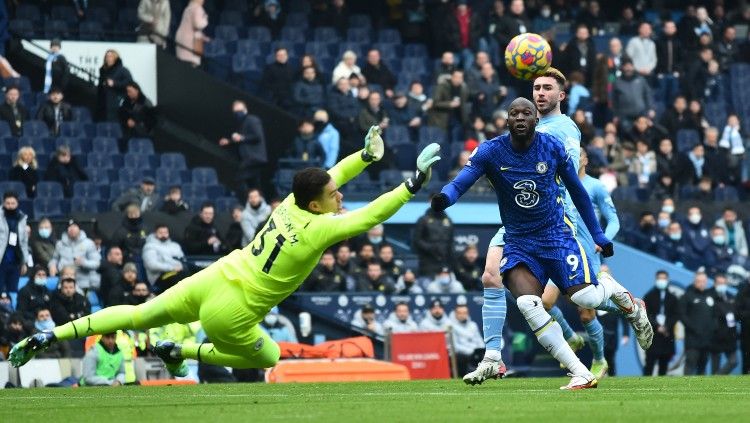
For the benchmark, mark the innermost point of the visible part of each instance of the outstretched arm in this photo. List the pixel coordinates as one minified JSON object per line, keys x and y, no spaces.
{"x":470,"y":173}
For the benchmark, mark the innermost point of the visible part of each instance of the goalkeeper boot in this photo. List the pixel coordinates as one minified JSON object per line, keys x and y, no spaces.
{"x":27,"y":348}
{"x":641,"y":326}
{"x":169,"y":352}
{"x":582,"y":381}
{"x":487,"y":369}
{"x":599,"y":368}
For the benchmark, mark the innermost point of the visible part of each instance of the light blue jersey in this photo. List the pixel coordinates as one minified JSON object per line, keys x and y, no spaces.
{"x":604,"y":207}
{"x":563,"y":128}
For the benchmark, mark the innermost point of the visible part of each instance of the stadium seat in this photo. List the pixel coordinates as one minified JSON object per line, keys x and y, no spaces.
{"x":166,"y":177}
{"x":195,"y":190}
{"x":64,"y":13}
{"x":326,"y":34}
{"x":4,"y":129}
{"x":726,"y":194}
{"x":132,"y":175}
{"x":22,"y":27}
{"x":357,"y":48}
{"x":86,"y":205}
{"x":389,"y":35}
{"x":284,"y":178}
{"x":319,"y":49}
{"x":137,"y":161}
{"x":141,"y":146}
{"x":173,"y":161}
{"x":260,"y":34}
{"x":360,"y":21}
{"x":390,"y":178}
{"x":625,"y":194}
{"x":98,"y":175}
{"x":16,"y":186}
{"x":108,"y":129}
{"x":298,"y":20}
{"x":415,"y":50}
{"x":231,"y":17}
{"x":430,"y":134}
{"x":388,"y":51}
{"x":101,"y":160}
{"x":226,"y":204}
{"x":56,"y":29}
{"x":236,"y":5}
{"x":90,"y":30}
{"x":358,"y":35}
{"x":28,"y":12}
{"x":23,"y":83}
{"x":251,"y":48}
{"x":37,"y":143}
{"x":217,"y":47}
{"x":397,"y":134}
{"x":406,"y":155}
{"x":293,"y":34}
{"x":226,"y":33}
{"x":106,"y":145}
{"x":99,"y":14}
{"x":75,"y":145}
{"x":117,"y":188}
{"x":687,"y":139}
{"x":49,"y":189}
{"x":48,"y":207}
{"x":73,"y":129}
{"x":35,"y":128}
{"x":204,"y":176}
{"x":86,"y":189}
{"x":413,"y":65}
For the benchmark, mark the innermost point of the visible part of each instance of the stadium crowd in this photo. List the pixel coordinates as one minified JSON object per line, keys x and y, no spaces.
{"x":656,"y":95}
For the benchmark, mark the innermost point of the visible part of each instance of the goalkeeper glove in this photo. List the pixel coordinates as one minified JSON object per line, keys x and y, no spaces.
{"x":426,"y":159}
{"x":374,"y":146}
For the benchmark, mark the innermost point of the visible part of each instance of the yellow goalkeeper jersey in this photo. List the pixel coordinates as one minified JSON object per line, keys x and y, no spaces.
{"x":289,"y":246}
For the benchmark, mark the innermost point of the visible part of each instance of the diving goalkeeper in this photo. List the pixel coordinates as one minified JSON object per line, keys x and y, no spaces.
{"x":231,"y":296}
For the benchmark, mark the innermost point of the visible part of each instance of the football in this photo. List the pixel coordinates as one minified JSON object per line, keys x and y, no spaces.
{"x":528,"y":55}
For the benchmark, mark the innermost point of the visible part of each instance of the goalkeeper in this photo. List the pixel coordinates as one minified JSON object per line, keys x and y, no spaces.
{"x":234,"y":294}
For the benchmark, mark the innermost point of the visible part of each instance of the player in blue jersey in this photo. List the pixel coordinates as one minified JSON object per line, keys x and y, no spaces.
{"x":524,"y":168}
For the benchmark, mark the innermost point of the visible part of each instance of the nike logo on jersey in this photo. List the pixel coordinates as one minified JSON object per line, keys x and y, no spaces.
{"x":503,"y":168}
{"x":571,"y":277}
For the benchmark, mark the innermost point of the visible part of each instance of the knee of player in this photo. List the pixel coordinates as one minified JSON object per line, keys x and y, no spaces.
{"x":492,"y":279}
{"x":547,"y":303}
{"x":270,"y":355}
{"x":588,"y":297}
{"x":586,"y":314}
{"x":529,"y":304}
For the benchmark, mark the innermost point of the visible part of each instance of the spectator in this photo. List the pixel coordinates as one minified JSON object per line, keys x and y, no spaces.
{"x":34,"y":295}
{"x":435,"y":320}
{"x":271,"y":17}
{"x":669,"y":52}
{"x":407,"y":284}
{"x":365,"y":256}
{"x":377,"y":72}
{"x":75,"y":249}
{"x":592,"y":18}
{"x":469,"y":270}
{"x":582,"y":122}
{"x":678,"y":117}
{"x":247,"y":142}
{"x":145,"y":198}
{"x":544,"y":21}
{"x":692,"y":166}
{"x":628,"y":23}
{"x":473,"y":70}
{"x":644,"y":164}
{"x":400,"y":112}
{"x":13,"y":112}
{"x":642,"y":50}
{"x":137,"y":113}
{"x":54,"y":111}
{"x":694,"y":82}
{"x":66,"y":304}
{"x":445,"y":68}
{"x":417,"y":99}
{"x":326,"y":277}
{"x":735,"y":233}
{"x":719,"y":256}
{"x":344,"y":109}
{"x":726,"y":48}
{"x":121,"y":292}
{"x":44,"y":323}
{"x":308,"y":60}
{"x":113,"y":77}
{"x":173,"y":202}
{"x":579,"y":54}
{"x":308,"y":92}
{"x":234,"y":234}
{"x":14,"y":243}
{"x":400,"y":320}
{"x":103,"y":364}
{"x":328,"y":137}
{"x":631,"y":96}
{"x":731,"y":141}
{"x":131,"y":235}
{"x":189,"y":37}
{"x":432,"y":240}
{"x":201,"y":236}
{"x":445,"y":283}
{"x":163,"y":259}
{"x":666,"y":159}
{"x":256,"y":211}
{"x":56,"y":69}
{"x":645,"y":129}
{"x":346,"y":67}
{"x":664,"y":187}
{"x":306,"y":147}
{"x":614,"y":61}
{"x":140,"y":293}
{"x":579,"y":96}
{"x":154,"y":17}
{"x":696,"y":231}
{"x":663,"y":313}
{"x":697,"y":314}
{"x":43,"y":243}
{"x":487,"y":92}
{"x":479,"y":132}
{"x":675,"y":248}
{"x":467,"y":340}
{"x":65,"y":169}
{"x":14,"y":331}
{"x":450,"y":109}
{"x":717,"y":160}
{"x":742,"y":305}
{"x":725,"y":336}
{"x":359,"y":89}
{"x":344,"y":260}
{"x":392,"y":267}
{"x":373,"y":113}
{"x":110,"y":271}
{"x":365,"y":319}
{"x":25,"y":170}
{"x":514,"y":22}
{"x":374,"y":280}
{"x":646,"y":237}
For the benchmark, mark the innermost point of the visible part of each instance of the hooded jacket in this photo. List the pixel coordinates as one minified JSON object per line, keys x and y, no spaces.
{"x":66,"y":250}
{"x":466,"y":336}
{"x":397,"y":326}
{"x":196,"y":237}
{"x":251,"y":218}
{"x":22,"y":245}
{"x":161,"y":256}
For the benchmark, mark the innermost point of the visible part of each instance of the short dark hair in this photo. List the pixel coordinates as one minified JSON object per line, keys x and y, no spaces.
{"x":401,"y":304}
{"x":67,"y":280}
{"x":160,"y":225}
{"x":206,"y":205}
{"x":385,"y":245}
{"x":661,"y":272}
{"x":308,"y":185}
{"x":10,"y":194}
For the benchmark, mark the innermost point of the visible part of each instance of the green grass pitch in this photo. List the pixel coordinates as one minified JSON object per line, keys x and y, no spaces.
{"x":637,"y":400}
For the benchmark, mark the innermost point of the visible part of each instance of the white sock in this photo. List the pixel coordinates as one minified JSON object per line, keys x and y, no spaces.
{"x":617,"y":293}
{"x":493,"y":355}
{"x":551,"y":338}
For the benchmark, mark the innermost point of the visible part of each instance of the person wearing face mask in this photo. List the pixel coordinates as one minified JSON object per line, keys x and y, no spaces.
{"x":436,"y":320}
{"x":725,"y":336}
{"x":14,"y":244}
{"x":163,"y":259}
{"x":67,"y":304}
{"x":663,"y":313}
{"x":131,"y":235}
{"x":42,"y":243}
{"x":544,"y":21}
{"x":276,"y":329}
{"x":256,"y":211}
{"x":697,"y":313}
{"x":248,"y":142}
{"x":718,"y":256}
{"x":140,"y":293}
{"x":734,"y":230}
{"x":445,"y":283}
{"x":646,"y":238}
{"x":400,"y":320}
{"x":407,"y":284}
{"x":662,"y":221}
{"x":34,"y":295}
{"x":673,"y":247}
{"x":43,"y":321}
{"x":375,"y":237}
{"x":667,"y":206}
{"x":696,"y":232}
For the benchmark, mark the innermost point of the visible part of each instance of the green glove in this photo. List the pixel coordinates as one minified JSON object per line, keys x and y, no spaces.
{"x":428,"y":157}
{"x":374,"y":146}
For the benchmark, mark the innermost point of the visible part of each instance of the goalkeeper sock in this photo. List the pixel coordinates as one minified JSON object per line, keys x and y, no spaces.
{"x":147,"y":315}
{"x":493,"y":320}
{"x":557,"y":314}
{"x":595,"y":332}
{"x":267,"y":356}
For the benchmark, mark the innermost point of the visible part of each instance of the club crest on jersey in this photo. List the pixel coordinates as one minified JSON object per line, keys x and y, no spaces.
{"x":503,"y":261}
{"x":541,"y":167}
{"x":258,"y":344}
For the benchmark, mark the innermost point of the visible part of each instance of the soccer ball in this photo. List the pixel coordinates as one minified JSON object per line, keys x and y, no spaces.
{"x":527,"y":56}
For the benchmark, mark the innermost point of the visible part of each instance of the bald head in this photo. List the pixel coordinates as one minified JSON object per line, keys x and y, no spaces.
{"x":522,"y":102}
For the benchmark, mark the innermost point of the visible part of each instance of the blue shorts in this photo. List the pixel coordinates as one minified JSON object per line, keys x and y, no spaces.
{"x":498,"y":240}
{"x":563,"y":261}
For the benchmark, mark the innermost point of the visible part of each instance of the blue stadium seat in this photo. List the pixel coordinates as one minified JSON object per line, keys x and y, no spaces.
{"x":726,"y":194}
{"x":397,"y":134}
{"x":295,"y":49}
{"x":360,"y":21}
{"x":22,"y":27}
{"x":406,"y":155}
{"x":76,"y":145}
{"x":98,"y":175}
{"x":358,"y":35}
{"x":4,"y":129}
{"x":101,"y":160}
{"x":49,"y":189}
{"x":236,"y":5}
{"x":23,"y":83}
{"x":326,"y":34}
{"x":28,"y":12}
{"x":687,"y":139}
{"x":99,"y":14}
{"x":226,"y":204}
{"x":81,"y":114}
{"x":64,"y":13}
{"x":319,"y":49}
{"x":141,"y":146}
{"x":217,"y":47}
{"x":293,"y":34}
{"x":173,"y":161}
{"x":194,"y":191}
{"x":16,"y":186}
{"x":413,"y":65}
{"x":298,"y":20}
{"x":231,"y":17}
{"x":415,"y":50}
{"x":390,"y":178}
{"x":260,"y":34}
{"x":389,"y":51}
{"x":35,"y":128}
{"x":48,"y":207}
{"x":357,"y":48}
{"x":73,"y":129}
{"x":204,"y":176}
{"x":137,"y":161}
{"x":625,"y":194}
{"x":117,"y":188}
{"x":166,"y":177}
{"x":90,"y":30}
{"x":456,"y":149}
{"x":251,"y":48}
{"x":56,"y":29}
{"x":226,"y":33}
{"x":131,"y":175}
{"x":389,"y":35}
{"x":86,"y":189}
{"x":108,"y":129}
{"x":38,"y":144}
{"x":284,"y":178}
{"x":430,"y":134}
{"x":86,"y":205}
